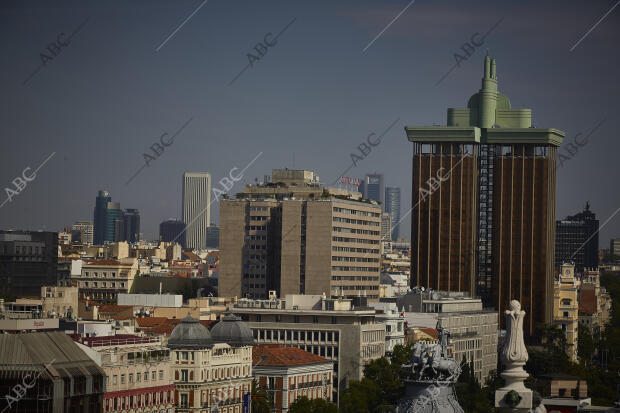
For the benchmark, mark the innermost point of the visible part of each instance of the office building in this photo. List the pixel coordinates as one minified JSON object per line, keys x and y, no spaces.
{"x":334,"y":329}
{"x":28,"y":261}
{"x":566,"y":307}
{"x":374,"y":188}
{"x":196,"y":208}
{"x":287,"y":373}
{"x":212,"y":370}
{"x":213,"y":236}
{"x":473,"y":330}
{"x":388,"y":314}
{"x":172,"y":230}
{"x":108,"y":219}
{"x":484,"y":204}
{"x":386,"y":227}
{"x":576,"y":240}
{"x":82,"y":232}
{"x":306,"y":242}
{"x":131,"y":226}
{"x":137,"y":371}
{"x":62,"y":377}
{"x":392,"y":207}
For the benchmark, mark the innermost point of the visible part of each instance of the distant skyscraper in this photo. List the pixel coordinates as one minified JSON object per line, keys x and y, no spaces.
{"x":386,"y":226}
{"x":571,"y":235}
{"x":213,"y":236}
{"x":82,"y":231}
{"x":131,"y":225}
{"x":373,"y":188}
{"x":196,"y":208}
{"x":172,"y":230}
{"x":484,"y":204}
{"x":392,"y":207}
{"x":106,"y":218}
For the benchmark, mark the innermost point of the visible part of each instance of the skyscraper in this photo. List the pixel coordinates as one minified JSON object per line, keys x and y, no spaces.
{"x":576,"y":240}
{"x":107,"y":218}
{"x":131,"y":225}
{"x":196,"y":208}
{"x":484,"y":204}
{"x":392,"y":207}
{"x":373,"y":188}
{"x":172,"y":230}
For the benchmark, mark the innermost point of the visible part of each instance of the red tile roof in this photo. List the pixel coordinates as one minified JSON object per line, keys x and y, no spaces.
{"x":277,"y":355}
{"x":112,"y":308}
{"x":88,"y":262}
{"x":431,"y":332}
{"x":162,"y":325}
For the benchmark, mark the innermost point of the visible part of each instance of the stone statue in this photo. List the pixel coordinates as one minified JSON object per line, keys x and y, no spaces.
{"x":431,"y":378}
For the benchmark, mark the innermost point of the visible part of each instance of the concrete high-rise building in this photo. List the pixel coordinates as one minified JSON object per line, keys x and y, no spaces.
{"x":196,"y":208}
{"x":131,"y":225}
{"x":82,"y":231}
{"x":298,"y":237}
{"x":576,"y":240}
{"x":614,"y":246}
{"x":172,"y":230}
{"x":374,"y":188}
{"x":484,"y":204}
{"x":392,"y":207}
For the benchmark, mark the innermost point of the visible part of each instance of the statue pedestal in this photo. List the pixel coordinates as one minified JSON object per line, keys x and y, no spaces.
{"x":525,"y":405}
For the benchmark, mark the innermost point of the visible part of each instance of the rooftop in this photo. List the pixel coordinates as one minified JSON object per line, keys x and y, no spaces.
{"x":282,"y":356}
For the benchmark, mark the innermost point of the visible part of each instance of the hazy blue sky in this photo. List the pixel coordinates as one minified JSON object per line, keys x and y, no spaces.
{"x":108,"y":95}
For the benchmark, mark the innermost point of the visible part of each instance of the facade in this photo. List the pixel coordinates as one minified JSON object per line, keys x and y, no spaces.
{"x":594,"y":303}
{"x":212,"y":370}
{"x":137,"y":372}
{"x":566,"y":307}
{"x":287,"y":373}
{"x":332,"y":329}
{"x":473,"y":330}
{"x":392,"y":207}
{"x":484,"y":196}
{"x":172,"y":230}
{"x":56,"y":374}
{"x":388,"y":314}
{"x":59,"y":301}
{"x":386,"y":227}
{"x":82,"y":231}
{"x":614,"y":246}
{"x":374,"y":188}
{"x":131,"y":226}
{"x":576,"y":240}
{"x":298,"y":243}
{"x":28,"y":261}
{"x":103,"y":280}
{"x":196,"y":208}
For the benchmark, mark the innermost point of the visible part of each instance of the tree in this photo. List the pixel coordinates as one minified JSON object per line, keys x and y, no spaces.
{"x":401,"y":355}
{"x":386,"y":376}
{"x":471,"y":396}
{"x":261,"y":402}
{"x":304,"y":405}
{"x":585,"y":345}
{"x":361,"y":397}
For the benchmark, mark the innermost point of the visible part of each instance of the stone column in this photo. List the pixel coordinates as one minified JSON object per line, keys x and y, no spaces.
{"x":514,"y":397}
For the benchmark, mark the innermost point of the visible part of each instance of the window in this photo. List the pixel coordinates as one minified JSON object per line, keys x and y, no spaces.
{"x":184,"y":375}
{"x":184,"y":355}
{"x":153,"y":375}
{"x":130,"y":377}
{"x":114,"y":379}
{"x":122,"y":379}
{"x":146,"y":376}
{"x":161,"y":374}
{"x":138,"y":376}
{"x":184,"y":400}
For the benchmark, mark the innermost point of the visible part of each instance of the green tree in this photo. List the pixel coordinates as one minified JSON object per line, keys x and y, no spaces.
{"x":304,"y":405}
{"x":261,"y":402}
{"x":585,"y":345}
{"x":401,"y":355}
{"x":471,"y":396}
{"x":386,"y":376}
{"x":361,"y":397}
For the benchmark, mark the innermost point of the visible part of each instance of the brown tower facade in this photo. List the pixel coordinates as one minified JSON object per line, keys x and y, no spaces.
{"x":483,"y":217}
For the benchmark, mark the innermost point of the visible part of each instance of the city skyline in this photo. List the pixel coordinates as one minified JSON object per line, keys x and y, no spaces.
{"x":303,"y":52}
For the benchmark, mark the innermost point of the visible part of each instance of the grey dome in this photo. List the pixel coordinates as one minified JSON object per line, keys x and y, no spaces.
{"x":190,"y":334}
{"x":231,"y":330}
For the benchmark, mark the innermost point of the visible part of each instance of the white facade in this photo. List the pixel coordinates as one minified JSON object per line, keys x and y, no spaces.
{"x":196,"y":208}
{"x":151,"y":300}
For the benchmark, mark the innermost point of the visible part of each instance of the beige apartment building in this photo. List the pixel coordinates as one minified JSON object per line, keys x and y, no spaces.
{"x":138,"y":375}
{"x":102,"y":280}
{"x":294,"y":236}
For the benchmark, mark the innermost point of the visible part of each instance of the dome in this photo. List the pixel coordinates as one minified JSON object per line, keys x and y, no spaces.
{"x":190,"y":334}
{"x":231,"y":330}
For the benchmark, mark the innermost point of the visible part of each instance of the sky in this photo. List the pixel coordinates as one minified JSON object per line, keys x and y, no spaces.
{"x":89,"y":87}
